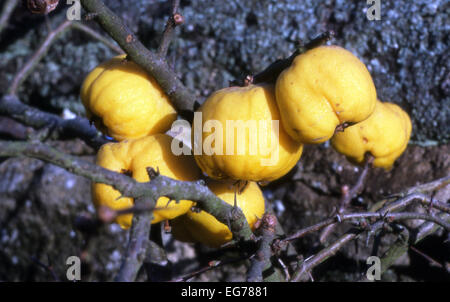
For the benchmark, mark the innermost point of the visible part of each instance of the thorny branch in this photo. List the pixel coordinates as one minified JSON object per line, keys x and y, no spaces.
{"x":158,"y":186}
{"x":381,"y":216}
{"x":58,"y":127}
{"x":348,"y":195}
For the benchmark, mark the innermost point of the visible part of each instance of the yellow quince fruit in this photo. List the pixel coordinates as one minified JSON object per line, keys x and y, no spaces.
{"x":385,"y":134}
{"x":133,"y":157}
{"x":241,"y":137}
{"x":323,"y":88}
{"x":125,"y":102}
{"x":204,"y":228}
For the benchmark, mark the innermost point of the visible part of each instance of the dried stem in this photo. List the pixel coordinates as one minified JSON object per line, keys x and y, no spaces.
{"x":38,"y":55}
{"x":29,"y":66}
{"x":89,"y":31}
{"x":8,"y":8}
{"x":302,"y":272}
{"x":380,"y":217}
{"x":382,"y":213}
{"x":168,"y":34}
{"x":348,"y":195}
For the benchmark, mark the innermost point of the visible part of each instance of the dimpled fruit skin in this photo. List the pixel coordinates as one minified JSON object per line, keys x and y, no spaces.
{"x":135,"y":156}
{"x":124,"y":101}
{"x":203,"y":227}
{"x":324,"y":87}
{"x":253,"y":103}
{"x":385,"y":134}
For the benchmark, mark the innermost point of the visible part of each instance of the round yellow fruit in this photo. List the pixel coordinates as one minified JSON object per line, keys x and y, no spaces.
{"x":124,"y":102}
{"x":203,"y":227}
{"x":241,"y":136}
{"x":385,"y":134}
{"x":323,"y":88}
{"x":133,"y":157}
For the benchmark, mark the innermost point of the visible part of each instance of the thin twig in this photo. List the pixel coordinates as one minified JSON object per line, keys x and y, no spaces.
{"x":29,"y":66}
{"x":424,"y":188}
{"x":89,"y":31}
{"x":348,"y":195}
{"x":8,"y":8}
{"x":137,"y":245}
{"x":428,"y":258}
{"x":37,"y":56}
{"x":382,"y":215}
{"x":174,"y":20}
{"x":383,"y":212}
{"x":320,"y":257}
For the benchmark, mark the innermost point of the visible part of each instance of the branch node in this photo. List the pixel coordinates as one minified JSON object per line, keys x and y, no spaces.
{"x":178,"y":19}
{"x":152,"y":173}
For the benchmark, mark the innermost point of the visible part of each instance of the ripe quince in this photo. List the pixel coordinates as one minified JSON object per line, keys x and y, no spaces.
{"x":324,"y":87}
{"x":385,"y":134}
{"x":133,"y":157}
{"x":248,"y":141}
{"x":125,"y":102}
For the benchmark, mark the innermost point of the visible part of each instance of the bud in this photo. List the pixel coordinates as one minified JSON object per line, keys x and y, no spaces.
{"x":42,"y":7}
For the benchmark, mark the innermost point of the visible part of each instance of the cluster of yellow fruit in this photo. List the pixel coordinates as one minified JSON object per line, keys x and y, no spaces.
{"x":127,"y":104}
{"x":323,"y":88}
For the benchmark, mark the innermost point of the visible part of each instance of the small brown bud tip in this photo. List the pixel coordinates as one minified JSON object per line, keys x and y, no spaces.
{"x":152,"y":173}
{"x":345,"y":189}
{"x":178,"y":19}
{"x":42,"y":7}
{"x":341,"y":127}
{"x":129,"y":38}
{"x":269,"y":221}
{"x":106,"y":214}
{"x":248,"y":80}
